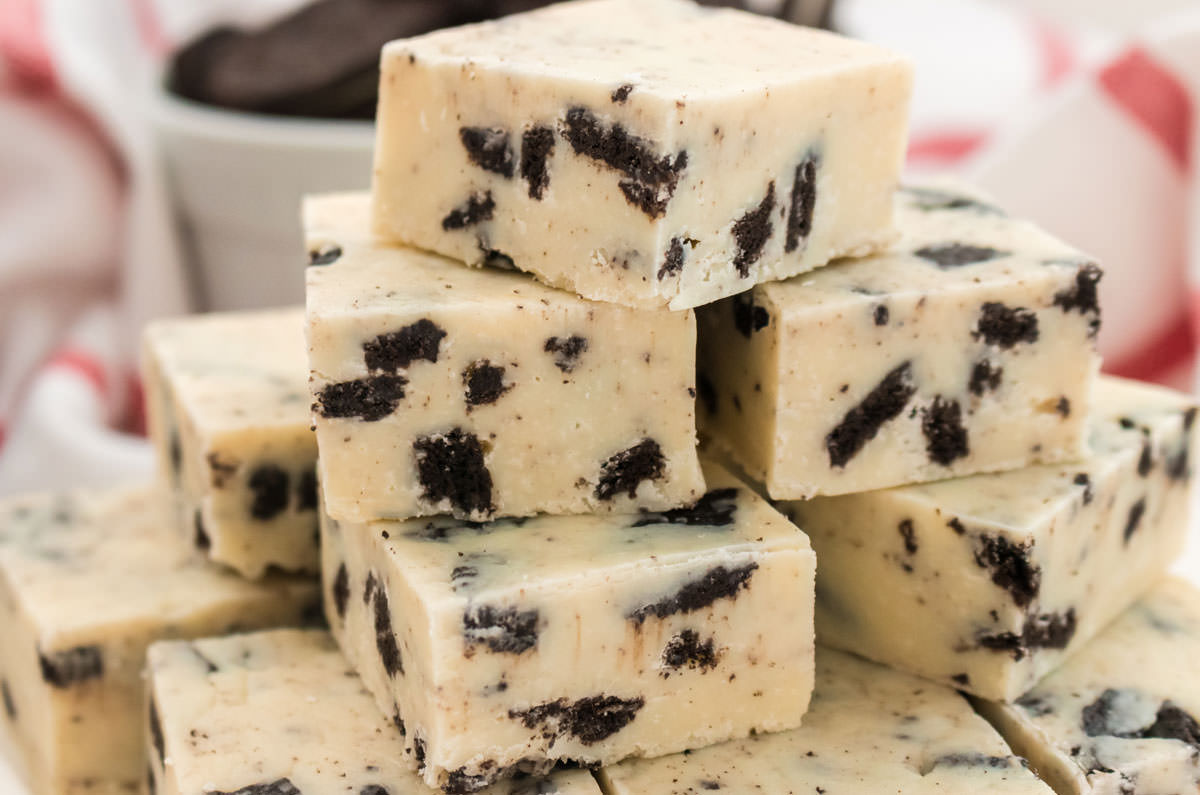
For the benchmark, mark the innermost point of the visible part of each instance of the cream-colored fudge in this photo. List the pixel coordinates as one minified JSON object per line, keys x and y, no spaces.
{"x":990,"y":582}
{"x":1122,"y":717}
{"x":87,"y":581}
{"x":869,"y":730}
{"x":481,"y":393}
{"x":510,"y":646}
{"x":228,"y":404}
{"x":280,"y":713}
{"x":646,"y":152}
{"x":968,"y":347}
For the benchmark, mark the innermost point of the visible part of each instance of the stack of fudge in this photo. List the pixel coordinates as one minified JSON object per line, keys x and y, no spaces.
{"x":921,"y":549}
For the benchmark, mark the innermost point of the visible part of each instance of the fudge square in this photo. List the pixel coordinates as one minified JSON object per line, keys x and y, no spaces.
{"x":645,"y":152}
{"x":228,"y":406}
{"x":88,"y":579}
{"x":482,"y":393}
{"x":1123,"y":715}
{"x":507,"y":647}
{"x":990,"y":582}
{"x":279,"y":713}
{"x":870,"y":730}
{"x":967,"y":347}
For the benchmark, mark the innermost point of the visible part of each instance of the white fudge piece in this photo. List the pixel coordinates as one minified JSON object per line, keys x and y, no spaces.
{"x":228,"y":405}
{"x":481,"y":393}
{"x":1120,"y":717}
{"x":87,"y":581}
{"x":869,"y":730}
{"x":646,"y":152}
{"x":990,"y":582}
{"x":968,"y":347}
{"x":510,"y":646}
{"x":279,"y":713}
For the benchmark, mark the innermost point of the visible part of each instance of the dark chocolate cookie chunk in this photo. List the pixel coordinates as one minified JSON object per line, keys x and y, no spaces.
{"x":752,"y":231}
{"x":717,"y":583}
{"x":326,"y":255}
{"x":621,"y":93}
{"x":862,"y":423}
{"x":477,"y":209}
{"x":340,"y":590}
{"x":450,"y":467}
{"x":588,"y":720}
{"x":369,"y":399}
{"x":537,"y":146}
{"x":623,"y":472}
{"x":566,"y":350}
{"x":1134,"y":520}
{"x":672,"y":260}
{"x":650,"y":179}
{"x":956,"y":255}
{"x":10,"y":707}
{"x":484,"y":383}
{"x":1005,"y":326}
{"x":686,"y":650}
{"x":62,"y":669}
{"x":1043,"y":631}
{"x":986,"y":376}
{"x":1083,"y":296}
{"x":804,"y":200}
{"x":1011,"y":565}
{"x":714,"y":509}
{"x":503,"y":630}
{"x":156,"y":733}
{"x":748,"y":317}
{"x":270,"y":486}
{"x":930,"y":199}
{"x":385,"y":636}
{"x":397,"y":350}
{"x":945,"y":435}
{"x":489,"y":148}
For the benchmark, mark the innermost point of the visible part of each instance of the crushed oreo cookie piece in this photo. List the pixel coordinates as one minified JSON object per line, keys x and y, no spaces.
{"x":650,"y":180}
{"x":489,"y":148}
{"x":397,"y":350}
{"x":503,"y":630}
{"x":985,"y":377}
{"x":369,"y":399}
{"x":326,"y":255}
{"x":1042,"y":631}
{"x":340,"y":590}
{"x":803,"y":202}
{"x":61,"y":669}
{"x":385,"y":637}
{"x":1082,"y":479}
{"x":200,"y":536}
{"x":714,"y":509}
{"x":281,"y":786}
{"x":537,"y":146}
{"x":566,"y":350}
{"x":752,"y":231}
{"x":1134,"y":520}
{"x":271,"y":487}
{"x":881,"y":315}
{"x":621,"y":93}
{"x":717,"y":583}
{"x":478,"y":207}
{"x":929,"y":199}
{"x":1012,"y":567}
{"x":1083,"y":296}
{"x":748,"y":317}
{"x":589,"y":720}
{"x":1005,"y":326}
{"x":945,"y":435}
{"x":957,"y":255}
{"x":10,"y":706}
{"x":672,"y":260}
{"x":484,"y":383}
{"x":450,"y":466}
{"x":623,"y":472}
{"x":687,"y":650}
{"x":862,"y":423}
{"x":156,"y":733}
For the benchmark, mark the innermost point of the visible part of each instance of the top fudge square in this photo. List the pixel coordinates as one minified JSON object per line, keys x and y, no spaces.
{"x":644,"y":152}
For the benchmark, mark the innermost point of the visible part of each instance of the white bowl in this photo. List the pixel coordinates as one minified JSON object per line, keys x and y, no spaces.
{"x":236,"y":181}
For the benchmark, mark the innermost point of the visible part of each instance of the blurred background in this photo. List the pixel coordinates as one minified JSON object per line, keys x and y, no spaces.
{"x":152,"y":155}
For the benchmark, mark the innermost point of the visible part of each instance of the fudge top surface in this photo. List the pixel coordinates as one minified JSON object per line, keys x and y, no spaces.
{"x":869,"y":729}
{"x":668,"y":50}
{"x":83,"y":560}
{"x":1131,"y":695}
{"x":284,"y":704}
{"x":1123,"y":414}
{"x":374,"y":277}
{"x":951,"y":240}
{"x":234,"y":370}
{"x":729,"y":521}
